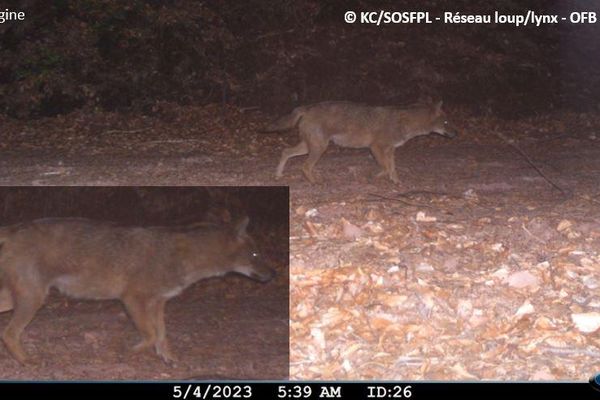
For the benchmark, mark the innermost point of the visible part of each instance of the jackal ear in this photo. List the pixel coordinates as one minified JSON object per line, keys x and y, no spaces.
{"x":241,"y":226}
{"x":218,"y":215}
{"x":438,"y":107}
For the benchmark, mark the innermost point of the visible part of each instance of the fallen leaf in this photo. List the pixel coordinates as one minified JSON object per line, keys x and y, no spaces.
{"x":525,"y":309}
{"x":351,"y":231}
{"x":563,"y":225}
{"x":587,"y":322}
{"x":421,"y":217}
{"x":522,"y":279}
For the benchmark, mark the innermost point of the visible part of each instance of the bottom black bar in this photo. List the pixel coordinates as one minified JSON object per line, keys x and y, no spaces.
{"x":189,"y":390}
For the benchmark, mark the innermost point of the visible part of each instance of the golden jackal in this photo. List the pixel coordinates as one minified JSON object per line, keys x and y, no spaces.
{"x":381,"y":129}
{"x":142,"y":267}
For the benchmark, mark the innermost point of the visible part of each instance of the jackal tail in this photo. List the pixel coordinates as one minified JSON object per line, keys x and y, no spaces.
{"x":286,"y":122}
{"x":6,"y":301}
{"x":4,"y":233}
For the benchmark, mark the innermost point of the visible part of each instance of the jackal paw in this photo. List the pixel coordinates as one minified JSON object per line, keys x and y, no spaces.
{"x":385,"y":174}
{"x":380,"y":174}
{"x":394,"y":177}
{"x":143,"y":345}
{"x":17,"y":352}
{"x":309,"y":176}
{"x":312,"y":179}
{"x":162,"y":349}
{"x":24,"y":360}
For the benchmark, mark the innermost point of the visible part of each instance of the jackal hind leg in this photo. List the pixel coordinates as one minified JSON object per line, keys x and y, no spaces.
{"x":380,"y":158}
{"x":162,"y":345}
{"x":140,"y":311}
{"x":26,"y":302}
{"x":316,"y":148}
{"x":299,"y":150}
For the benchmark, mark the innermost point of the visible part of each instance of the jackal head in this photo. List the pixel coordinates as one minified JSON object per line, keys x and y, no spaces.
{"x":440,"y":123}
{"x":246,"y":258}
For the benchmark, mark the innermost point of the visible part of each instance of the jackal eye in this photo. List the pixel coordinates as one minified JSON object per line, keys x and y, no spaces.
{"x":254,"y":254}
{"x":445,"y":122}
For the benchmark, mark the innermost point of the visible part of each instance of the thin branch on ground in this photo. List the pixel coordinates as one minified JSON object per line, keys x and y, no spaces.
{"x":512,"y":144}
{"x":382,"y":197}
{"x":126,"y":131}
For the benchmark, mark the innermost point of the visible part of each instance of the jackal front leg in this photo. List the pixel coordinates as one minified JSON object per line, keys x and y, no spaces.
{"x":27,"y":300}
{"x":391,"y":164}
{"x":162,"y":345}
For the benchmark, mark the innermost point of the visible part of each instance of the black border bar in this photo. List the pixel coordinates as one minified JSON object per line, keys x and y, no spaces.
{"x":312,"y":390}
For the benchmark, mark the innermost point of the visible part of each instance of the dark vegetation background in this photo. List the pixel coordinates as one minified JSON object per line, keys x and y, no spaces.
{"x":266,"y":206}
{"x":130,"y":56}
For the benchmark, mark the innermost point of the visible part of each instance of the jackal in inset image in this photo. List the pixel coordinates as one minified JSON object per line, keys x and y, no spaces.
{"x":381,"y":129}
{"x":142,"y":267}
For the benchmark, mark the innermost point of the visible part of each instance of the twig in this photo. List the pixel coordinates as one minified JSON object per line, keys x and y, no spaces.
{"x":588,"y":198}
{"x":554,"y":185}
{"x":250,"y":108}
{"x":173,"y":141}
{"x":400,"y":201}
{"x":568,"y":352}
{"x":272,"y":33}
{"x":529,"y":161}
{"x":532,"y":235}
{"x":411,"y":204}
{"x":126,"y":131}
{"x":424,"y":192}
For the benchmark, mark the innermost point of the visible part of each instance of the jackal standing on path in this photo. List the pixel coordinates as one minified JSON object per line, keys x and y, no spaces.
{"x":381,"y":129}
{"x":142,"y":267}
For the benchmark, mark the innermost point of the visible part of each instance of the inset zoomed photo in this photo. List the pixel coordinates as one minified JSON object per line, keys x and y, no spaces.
{"x":144,"y":283}
{"x":443,"y":159}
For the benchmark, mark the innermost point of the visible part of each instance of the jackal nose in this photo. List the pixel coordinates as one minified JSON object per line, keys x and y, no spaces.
{"x":266,"y":275}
